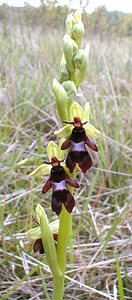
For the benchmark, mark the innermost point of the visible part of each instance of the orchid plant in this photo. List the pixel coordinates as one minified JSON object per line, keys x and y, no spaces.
{"x":62,"y":166}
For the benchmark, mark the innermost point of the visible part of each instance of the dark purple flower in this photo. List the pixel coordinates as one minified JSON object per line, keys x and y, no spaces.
{"x":78,"y":152}
{"x":58,"y":181}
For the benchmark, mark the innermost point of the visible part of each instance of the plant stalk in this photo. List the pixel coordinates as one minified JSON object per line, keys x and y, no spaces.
{"x":63,"y":236}
{"x":58,"y":288}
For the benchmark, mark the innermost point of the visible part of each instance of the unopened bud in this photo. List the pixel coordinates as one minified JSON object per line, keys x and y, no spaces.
{"x":70,"y":89}
{"x":61,"y":99}
{"x":83,"y":67}
{"x":78,"y":33}
{"x":78,"y":58}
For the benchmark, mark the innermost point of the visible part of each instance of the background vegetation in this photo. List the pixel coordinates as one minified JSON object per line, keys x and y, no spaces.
{"x":99,"y":258}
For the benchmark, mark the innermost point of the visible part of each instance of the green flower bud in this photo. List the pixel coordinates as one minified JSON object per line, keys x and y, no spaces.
{"x":83,"y":67}
{"x":61,"y":99}
{"x":78,"y":58}
{"x":78,"y":32}
{"x":63,"y":71}
{"x":76,"y":17}
{"x":70,"y":49}
{"x":70,"y":88}
{"x":48,"y":242}
{"x":69,"y":24}
{"x":75,"y":48}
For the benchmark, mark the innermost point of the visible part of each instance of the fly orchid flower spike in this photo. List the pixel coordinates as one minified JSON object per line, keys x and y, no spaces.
{"x":58,"y":179}
{"x":77,"y":138}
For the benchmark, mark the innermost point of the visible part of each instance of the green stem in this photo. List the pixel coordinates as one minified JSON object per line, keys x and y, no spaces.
{"x":63,"y":236}
{"x":58,"y":288}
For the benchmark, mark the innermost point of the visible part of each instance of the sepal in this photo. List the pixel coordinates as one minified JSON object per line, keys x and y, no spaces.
{"x":41,"y":170}
{"x":64,"y":132}
{"x":76,"y":111}
{"x":91,"y":130}
{"x":34,"y":233}
{"x":54,"y":150}
{"x":86,"y":112}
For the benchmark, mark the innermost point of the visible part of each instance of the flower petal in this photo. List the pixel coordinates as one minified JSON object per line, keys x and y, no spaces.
{"x":91,"y":130}
{"x":65,"y":131}
{"x":41,"y":170}
{"x":86,"y":112}
{"x":76,"y":111}
{"x":34,"y":233}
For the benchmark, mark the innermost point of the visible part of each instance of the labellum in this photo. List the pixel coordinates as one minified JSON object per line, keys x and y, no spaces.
{"x":77,"y":142}
{"x":58,"y":181}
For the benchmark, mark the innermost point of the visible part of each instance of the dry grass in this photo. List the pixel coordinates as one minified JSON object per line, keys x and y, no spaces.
{"x":102,"y":223}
